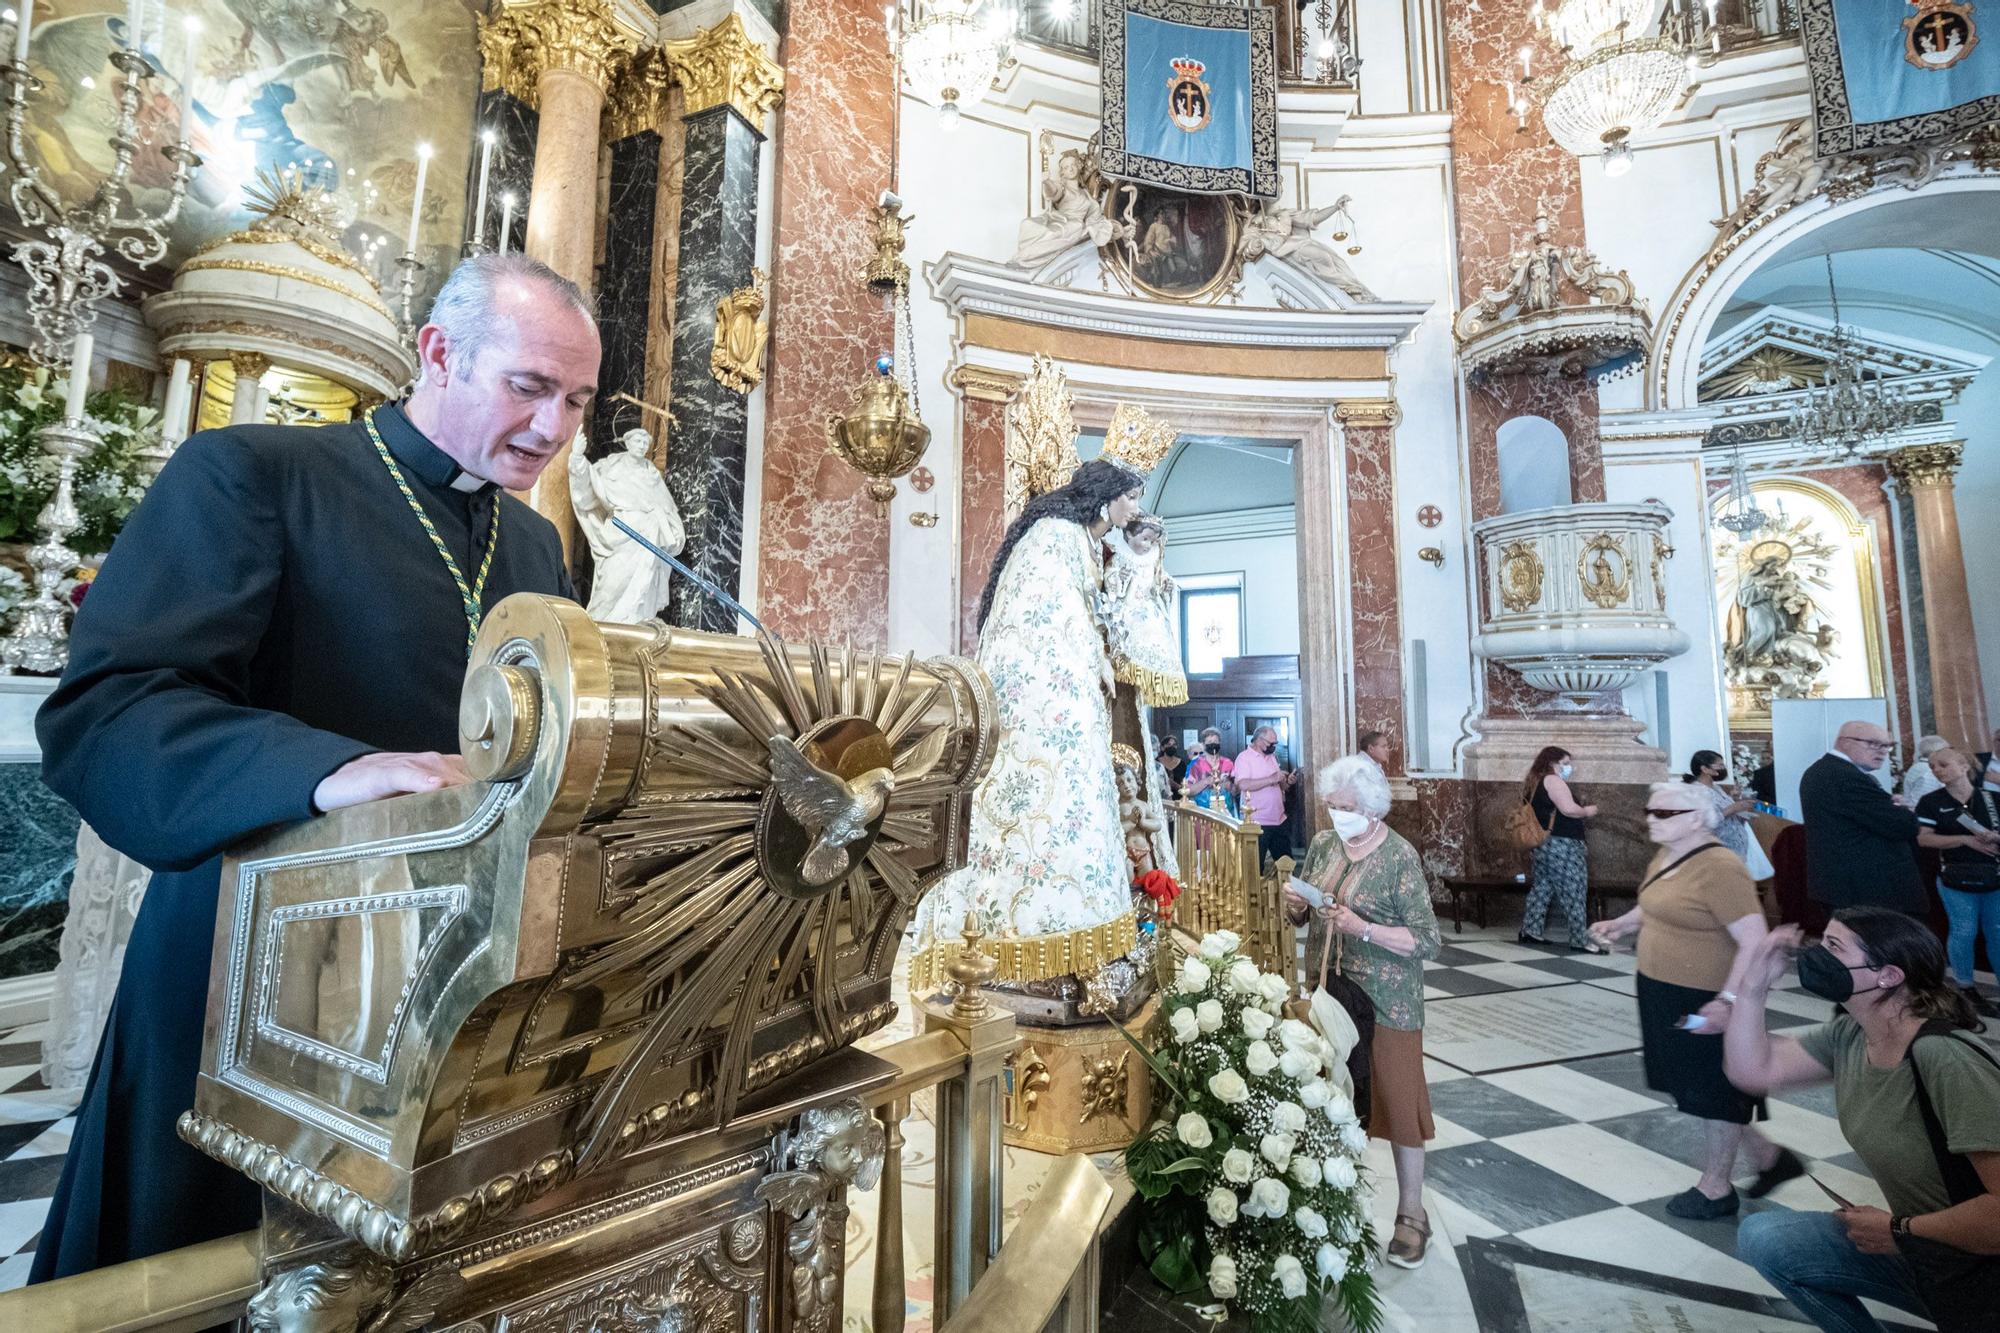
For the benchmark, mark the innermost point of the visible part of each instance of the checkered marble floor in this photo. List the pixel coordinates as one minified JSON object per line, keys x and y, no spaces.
{"x":1547,"y":1182}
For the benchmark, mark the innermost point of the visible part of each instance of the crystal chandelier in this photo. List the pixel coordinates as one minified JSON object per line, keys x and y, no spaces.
{"x":1740,"y":513}
{"x":952,"y":50}
{"x":1845,"y":411}
{"x":1613,"y":83}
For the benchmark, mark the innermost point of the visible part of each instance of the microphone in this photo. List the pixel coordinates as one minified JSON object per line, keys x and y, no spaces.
{"x":704,"y":584}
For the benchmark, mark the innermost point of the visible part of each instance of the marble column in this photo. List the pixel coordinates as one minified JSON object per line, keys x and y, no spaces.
{"x":559,"y":56}
{"x":515,"y":126}
{"x":1924,"y":471}
{"x":823,"y":548}
{"x":729,"y":85}
{"x":1499,"y":177}
{"x":247,"y":406}
{"x":1369,"y":430}
{"x":982,"y":469}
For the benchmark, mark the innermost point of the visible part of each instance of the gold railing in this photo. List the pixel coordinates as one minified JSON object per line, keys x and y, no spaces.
{"x":1224,"y":887}
{"x":1046,"y":1278}
{"x":961,"y":1053}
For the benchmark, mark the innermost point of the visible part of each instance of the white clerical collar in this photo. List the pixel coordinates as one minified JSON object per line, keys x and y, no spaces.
{"x":466,"y":482}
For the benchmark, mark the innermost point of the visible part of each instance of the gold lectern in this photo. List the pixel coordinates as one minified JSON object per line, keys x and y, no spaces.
{"x":567,"y":1047}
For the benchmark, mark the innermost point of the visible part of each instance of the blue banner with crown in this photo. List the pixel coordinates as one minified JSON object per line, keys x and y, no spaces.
{"x":1887,"y":74}
{"x":1190,"y":96}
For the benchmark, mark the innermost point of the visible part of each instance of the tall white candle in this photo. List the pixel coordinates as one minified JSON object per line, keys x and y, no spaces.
{"x":487,"y":139}
{"x":79,"y":377}
{"x":506,"y":219}
{"x":135,"y":18}
{"x":417,"y":200}
{"x":173,"y":417}
{"x":191,"y":27}
{"x":27,"y":12}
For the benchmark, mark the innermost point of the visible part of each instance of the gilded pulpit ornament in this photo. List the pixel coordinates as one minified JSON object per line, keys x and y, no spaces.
{"x":1604,"y":570}
{"x":741,"y":331}
{"x":1520,"y":576}
{"x":1557,"y":311}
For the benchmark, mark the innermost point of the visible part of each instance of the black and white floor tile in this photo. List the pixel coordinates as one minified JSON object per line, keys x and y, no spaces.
{"x":1547,"y":1182}
{"x":34,"y":1134}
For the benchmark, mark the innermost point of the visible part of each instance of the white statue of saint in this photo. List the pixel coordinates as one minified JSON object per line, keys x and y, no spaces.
{"x":1286,"y":233}
{"x":629,"y":583}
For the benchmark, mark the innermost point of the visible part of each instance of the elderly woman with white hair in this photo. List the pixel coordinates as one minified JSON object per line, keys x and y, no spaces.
{"x":1698,"y":920}
{"x":1376,"y":900}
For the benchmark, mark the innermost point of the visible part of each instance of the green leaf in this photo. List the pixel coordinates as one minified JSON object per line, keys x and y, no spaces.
{"x":1153,"y":1062}
{"x":1184,"y":1164}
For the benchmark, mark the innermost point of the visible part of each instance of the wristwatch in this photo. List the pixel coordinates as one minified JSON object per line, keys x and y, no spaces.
{"x":1899,"y":1225}
{"x":1368,"y":933}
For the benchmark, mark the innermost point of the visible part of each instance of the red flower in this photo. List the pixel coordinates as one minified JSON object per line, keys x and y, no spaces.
{"x":76,"y":593}
{"x":1161,"y":887}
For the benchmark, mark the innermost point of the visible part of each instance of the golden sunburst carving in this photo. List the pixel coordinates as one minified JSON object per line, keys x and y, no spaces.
{"x":1764,"y":371}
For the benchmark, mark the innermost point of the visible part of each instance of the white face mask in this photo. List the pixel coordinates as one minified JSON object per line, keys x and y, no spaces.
{"x":1564,"y":770}
{"x":1349,"y":825}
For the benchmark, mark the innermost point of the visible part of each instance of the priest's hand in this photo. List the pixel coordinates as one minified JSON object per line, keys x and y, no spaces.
{"x":374,"y":777}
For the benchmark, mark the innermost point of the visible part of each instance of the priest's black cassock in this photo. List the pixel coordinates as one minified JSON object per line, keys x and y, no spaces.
{"x":272,"y":610}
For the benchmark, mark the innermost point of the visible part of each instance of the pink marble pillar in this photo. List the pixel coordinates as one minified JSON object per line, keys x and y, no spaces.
{"x":1369,"y":431}
{"x":823,"y":545}
{"x":982,"y":464}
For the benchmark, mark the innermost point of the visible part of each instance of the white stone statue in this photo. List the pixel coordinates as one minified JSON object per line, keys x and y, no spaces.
{"x":1286,"y":233}
{"x":1073,"y":216}
{"x":629,"y":584}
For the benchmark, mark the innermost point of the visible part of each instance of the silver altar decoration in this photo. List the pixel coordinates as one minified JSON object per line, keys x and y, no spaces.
{"x":40,"y":638}
{"x":66,"y":271}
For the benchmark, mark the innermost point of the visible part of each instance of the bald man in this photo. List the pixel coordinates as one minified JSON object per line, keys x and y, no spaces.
{"x":1861,"y":844}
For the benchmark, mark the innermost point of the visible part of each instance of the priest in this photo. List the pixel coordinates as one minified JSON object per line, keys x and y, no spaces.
{"x":282,"y":630}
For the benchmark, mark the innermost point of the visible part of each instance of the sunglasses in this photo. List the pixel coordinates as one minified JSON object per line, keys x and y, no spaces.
{"x":1669,"y":814}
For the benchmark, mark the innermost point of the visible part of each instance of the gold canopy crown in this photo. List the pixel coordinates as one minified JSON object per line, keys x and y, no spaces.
{"x":1137,"y":440}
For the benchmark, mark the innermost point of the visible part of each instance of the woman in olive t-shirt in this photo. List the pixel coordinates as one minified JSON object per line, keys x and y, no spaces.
{"x":1897,"y":1009}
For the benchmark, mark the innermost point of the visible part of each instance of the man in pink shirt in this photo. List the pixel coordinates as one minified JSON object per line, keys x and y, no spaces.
{"x":1262,"y":786}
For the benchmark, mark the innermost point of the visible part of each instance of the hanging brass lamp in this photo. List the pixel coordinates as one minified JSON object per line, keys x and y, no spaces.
{"x":882,"y":434}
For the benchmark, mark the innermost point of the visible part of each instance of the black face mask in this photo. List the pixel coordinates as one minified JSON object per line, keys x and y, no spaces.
{"x":1822,"y":974}
{"x":1723,"y":776}
{"x":1215,"y":747}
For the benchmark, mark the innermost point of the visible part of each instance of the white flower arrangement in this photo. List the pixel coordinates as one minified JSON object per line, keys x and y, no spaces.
{"x":1253,"y":1175}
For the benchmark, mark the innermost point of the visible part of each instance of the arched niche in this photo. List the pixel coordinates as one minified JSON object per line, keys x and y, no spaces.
{"x":1819,"y":559}
{"x":1673,"y":364}
{"x":1534,"y":464}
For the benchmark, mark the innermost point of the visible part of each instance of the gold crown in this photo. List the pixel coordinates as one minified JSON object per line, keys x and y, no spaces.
{"x":1137,"y":440}
{"x":1125,"y":756}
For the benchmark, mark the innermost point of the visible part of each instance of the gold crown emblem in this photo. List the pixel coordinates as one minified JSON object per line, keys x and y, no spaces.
{"x":1137,"y":440}
{"x":1125,"y":756}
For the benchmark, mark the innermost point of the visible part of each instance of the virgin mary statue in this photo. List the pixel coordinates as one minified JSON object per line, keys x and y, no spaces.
{"x":1046,"y":872}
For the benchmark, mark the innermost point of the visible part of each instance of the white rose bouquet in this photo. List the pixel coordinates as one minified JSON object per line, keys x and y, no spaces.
{"x":1251,"y":1174}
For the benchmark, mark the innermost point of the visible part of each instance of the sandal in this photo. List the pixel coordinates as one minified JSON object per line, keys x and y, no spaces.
{"x":1407,"y":1255}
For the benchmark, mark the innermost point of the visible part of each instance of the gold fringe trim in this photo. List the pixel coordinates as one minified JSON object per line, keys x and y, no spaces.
{"x":1160,"y":689}
{"x":1034,"y":957}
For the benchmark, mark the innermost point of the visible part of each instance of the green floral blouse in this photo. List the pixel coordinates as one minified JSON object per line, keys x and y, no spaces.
{"x":1388,"y":888}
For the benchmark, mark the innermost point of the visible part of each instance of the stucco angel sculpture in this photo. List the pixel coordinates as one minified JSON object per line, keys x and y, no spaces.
{"x":1287,"y":233}
{"x":1072,"y":216}
{"x":629,"y":585}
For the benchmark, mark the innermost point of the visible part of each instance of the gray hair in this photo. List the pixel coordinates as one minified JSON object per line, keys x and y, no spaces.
{"x":1705,"y":808}
{"x":1930,"y":745}
{"x":1358,"y":776}
{"x":1267,"y":728}
{"x":465,"y":307}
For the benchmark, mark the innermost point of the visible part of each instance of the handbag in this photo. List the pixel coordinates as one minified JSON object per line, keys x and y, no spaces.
{"x":1525,"y":831}
{"x":1347,"y":993}
{"x":1960,"y":1289}
{"x":1975,"y":876}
